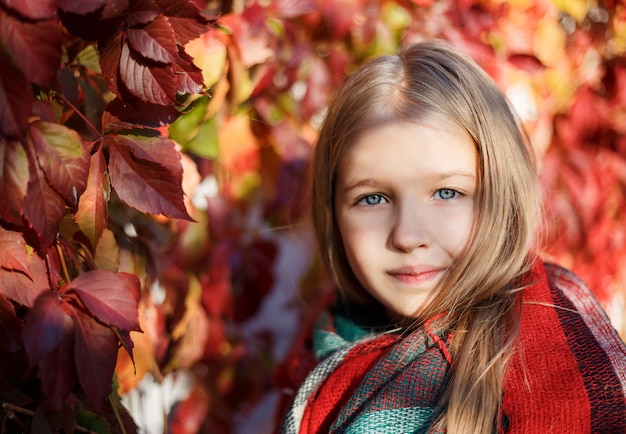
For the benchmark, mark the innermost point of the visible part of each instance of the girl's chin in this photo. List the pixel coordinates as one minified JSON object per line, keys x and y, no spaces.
{"x":401,"y":315}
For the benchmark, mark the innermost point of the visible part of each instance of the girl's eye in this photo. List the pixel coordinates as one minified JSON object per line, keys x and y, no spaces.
{"x":372,"y":199}
{"x":446,"y":194}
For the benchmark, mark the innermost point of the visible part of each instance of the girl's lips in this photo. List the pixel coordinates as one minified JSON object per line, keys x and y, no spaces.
{"x":415,"y":276}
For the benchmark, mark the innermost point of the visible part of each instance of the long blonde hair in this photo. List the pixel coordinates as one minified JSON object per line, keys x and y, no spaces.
{"x":431,"y":83}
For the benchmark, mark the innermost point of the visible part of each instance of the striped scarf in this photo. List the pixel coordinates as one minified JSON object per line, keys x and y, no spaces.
{"x":568,"y":373}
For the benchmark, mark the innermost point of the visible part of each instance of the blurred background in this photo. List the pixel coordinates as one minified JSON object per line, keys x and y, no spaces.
{"x":226,"y":322}
{"x":228,"y":297}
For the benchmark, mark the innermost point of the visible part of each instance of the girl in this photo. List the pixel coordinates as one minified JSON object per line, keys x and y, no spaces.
{"x":426,"y":207}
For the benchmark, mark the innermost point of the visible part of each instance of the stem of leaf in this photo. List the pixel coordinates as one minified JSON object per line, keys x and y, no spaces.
{"x":78,"y":112}
{"x":117,"y":413}
{"x":15,"y":409}
{"x":63,"y":264}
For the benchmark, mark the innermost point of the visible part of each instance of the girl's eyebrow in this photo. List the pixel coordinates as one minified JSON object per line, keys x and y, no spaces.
{"x":434,"y":176}
{"x":365,"y":182}
{"x":442,"y":176}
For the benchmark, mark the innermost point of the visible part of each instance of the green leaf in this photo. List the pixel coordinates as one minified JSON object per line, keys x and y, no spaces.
{"x":185,"y":128}
{"x":92,"y":421}
{"x":205,"y":143}
{"x":90,"y":59}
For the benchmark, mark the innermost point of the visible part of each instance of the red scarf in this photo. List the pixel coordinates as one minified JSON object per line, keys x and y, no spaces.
{"x":568,"y":374}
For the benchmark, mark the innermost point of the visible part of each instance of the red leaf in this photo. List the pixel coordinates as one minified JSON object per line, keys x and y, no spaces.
{"x":252,"y":277}
{"x":13,"y":180}
{"x":188,"y":415}
{"x":141,"y":81}
{"x":16,"y":99}
{"x":127,"y":343}
{"x":110,"y":52}
{"x":188,"y":76}
{"x":80,"y":6}
{"x":13,"y":256}
{"x":96,"y":354}
{"x":10,"y":326}
{"x":49,"y":342}
{"x":142,"y":12}
{"x":254,"y":47}
{"x":114,"y":8}
{"x":147,"y":175}
{"x":185,"y":19}
{"x":216,"y":288}
{"x":291,"y":8}
{"x":526,"y":63}
{"x":109,"y":296}
{"x":34,"y":47}
{"x":340,"y":15}
{"x":34,"y":10}
{"x":120,"y":115}
{"x":319,"y":78}
{"x":43,"y":208}
{"x":63,"y":157}
{"x":155,"y":41}
{"x":99,"y":25}
{"x":92,"y":212}
{"x":21,"y":288}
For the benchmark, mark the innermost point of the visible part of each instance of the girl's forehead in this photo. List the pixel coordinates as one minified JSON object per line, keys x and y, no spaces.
{"x":437,"y":122}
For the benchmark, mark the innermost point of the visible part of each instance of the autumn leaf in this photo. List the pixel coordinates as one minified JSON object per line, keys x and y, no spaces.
{"x":107,"y":252}
{"x":120,"y":115}
{"x":291,"y":8}
{"x":147,"y":175}
{"x":187,"y":75}
{"x":92,"y":212}
{"x":155,"y":41}
{"x":142,"y":12}
{"x":49,"y":342}
{"x":13,"y":256}
{"x":63,"y":157}
{"x":253,"y":46}
{"x":34,"y":10}
{"x":16,"y":99}
{"x":110,"y":52}
{"x":185,"y":19}
{"x":13,"y":180}
{"x":95,"y":356}
{"x":109,"y":296}
{"x":146,"y":60}
{"x":43,"y":208}
{"x":152,"y":85}
{"x":10,"y":326}
{"x":80,"y":6}
{"x":34,"y":47}
{"x":24,"y":288}
{"x":252,"y":276}
{"x":238,"y":146}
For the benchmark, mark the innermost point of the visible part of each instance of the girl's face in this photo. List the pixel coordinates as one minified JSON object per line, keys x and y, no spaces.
{"x":404,"y":201}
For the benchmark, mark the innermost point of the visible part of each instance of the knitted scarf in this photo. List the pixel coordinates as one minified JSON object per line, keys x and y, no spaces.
{"x":568,"y":373}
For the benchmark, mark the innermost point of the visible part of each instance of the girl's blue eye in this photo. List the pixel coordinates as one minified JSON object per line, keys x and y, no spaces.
{"x":446,"y":194}
{"x":372,"y":199}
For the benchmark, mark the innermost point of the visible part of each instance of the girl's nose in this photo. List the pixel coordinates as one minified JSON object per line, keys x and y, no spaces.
{"x":410,"y":228}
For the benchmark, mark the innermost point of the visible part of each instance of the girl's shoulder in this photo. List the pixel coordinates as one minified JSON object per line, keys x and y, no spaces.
{"x":579,"y":315}
{"x":569,"y":367}
{"x":560,"y":312}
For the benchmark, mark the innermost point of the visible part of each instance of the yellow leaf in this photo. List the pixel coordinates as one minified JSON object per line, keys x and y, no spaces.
{"x":618,"y":43}
{"x":238,"y":146}
{"x":577,"y":9}
{"x":209,"y":54}
{"x":549,"y":41}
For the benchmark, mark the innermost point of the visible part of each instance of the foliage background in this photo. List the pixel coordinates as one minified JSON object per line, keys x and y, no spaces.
{"x":219,"y":273}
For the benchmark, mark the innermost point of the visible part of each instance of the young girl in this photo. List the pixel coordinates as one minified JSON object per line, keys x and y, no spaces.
{"x":426,"y":207}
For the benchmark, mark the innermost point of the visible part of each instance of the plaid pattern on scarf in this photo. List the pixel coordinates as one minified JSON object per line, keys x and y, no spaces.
{"x":568,"y":375}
